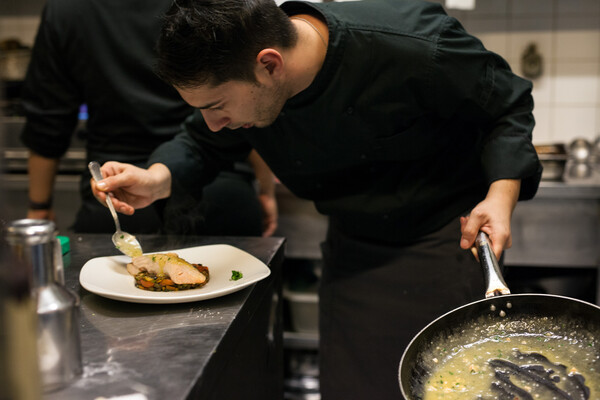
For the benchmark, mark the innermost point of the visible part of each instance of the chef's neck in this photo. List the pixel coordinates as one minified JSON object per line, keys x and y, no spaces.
{"x":304,"y":61}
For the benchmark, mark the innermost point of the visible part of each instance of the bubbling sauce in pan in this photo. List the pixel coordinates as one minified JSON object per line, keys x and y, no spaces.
{"x":514,"y":359}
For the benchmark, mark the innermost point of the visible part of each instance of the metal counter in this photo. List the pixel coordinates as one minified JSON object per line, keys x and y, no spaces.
{"x":223,"y":348}
{"x":560,"y":227}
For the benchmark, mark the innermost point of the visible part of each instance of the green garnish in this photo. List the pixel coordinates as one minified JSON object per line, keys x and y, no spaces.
{"x":236,"y":275}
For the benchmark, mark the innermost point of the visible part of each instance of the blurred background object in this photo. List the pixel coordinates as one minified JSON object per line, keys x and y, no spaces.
{"x":19,"y":374}
{"x":553,"y":158}
{"x":14,"y":59}
{"x":580,"y":156}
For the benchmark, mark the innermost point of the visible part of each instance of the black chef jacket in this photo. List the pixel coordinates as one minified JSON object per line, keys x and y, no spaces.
{"x":405,"y":126}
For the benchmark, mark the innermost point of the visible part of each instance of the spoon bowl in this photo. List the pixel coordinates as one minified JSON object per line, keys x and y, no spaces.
{"x":125,"y":242}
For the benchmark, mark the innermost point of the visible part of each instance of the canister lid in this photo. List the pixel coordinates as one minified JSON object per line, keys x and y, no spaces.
{"x":30,"y":231}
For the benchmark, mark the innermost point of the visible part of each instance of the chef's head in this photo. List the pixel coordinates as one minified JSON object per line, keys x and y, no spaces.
{"x":224,"y":57}
{"x":216,"y":41}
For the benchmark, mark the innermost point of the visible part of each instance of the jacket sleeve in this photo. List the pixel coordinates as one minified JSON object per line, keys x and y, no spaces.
{"x":476,"y":85}
{"x":196,"y":155}
{"x":51,"y":97}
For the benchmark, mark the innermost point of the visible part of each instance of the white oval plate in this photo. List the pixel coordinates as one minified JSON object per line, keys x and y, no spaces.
{"x":108,"y":276}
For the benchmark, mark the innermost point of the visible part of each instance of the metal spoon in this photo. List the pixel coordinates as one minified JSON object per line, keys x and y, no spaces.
{"x":125,"y":242}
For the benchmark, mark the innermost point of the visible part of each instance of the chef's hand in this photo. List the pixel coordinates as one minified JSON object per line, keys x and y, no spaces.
{"x":492,"y":216}
{"x":132,"y":187}
{"x":269,"y":208}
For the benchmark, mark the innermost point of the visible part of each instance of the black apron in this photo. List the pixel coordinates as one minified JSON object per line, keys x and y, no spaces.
{"x":375,"y":298}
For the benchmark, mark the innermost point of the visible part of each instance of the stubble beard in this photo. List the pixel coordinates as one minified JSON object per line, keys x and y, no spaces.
{"x":269,"y":109}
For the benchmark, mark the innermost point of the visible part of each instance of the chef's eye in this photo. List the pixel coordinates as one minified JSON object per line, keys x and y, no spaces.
{"x":214,"y":108}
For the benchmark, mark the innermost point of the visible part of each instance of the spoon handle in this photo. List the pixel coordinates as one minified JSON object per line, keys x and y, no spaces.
{"x":94,"y":168}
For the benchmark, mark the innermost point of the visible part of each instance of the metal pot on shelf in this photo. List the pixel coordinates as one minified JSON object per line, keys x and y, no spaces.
{"x":580,"y":157}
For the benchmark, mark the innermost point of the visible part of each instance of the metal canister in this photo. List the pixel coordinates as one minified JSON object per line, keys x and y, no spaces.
{"x":59,"y":347}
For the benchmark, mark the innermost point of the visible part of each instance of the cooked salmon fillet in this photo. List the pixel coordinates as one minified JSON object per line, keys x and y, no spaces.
{"x":169,"y":264}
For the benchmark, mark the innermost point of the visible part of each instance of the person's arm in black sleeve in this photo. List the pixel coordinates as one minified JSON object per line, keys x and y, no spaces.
{"x":480,"y":87}
{"x":51,"y":100}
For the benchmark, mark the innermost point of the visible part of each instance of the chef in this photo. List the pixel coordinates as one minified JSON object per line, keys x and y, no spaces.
{"x":398,"y":124}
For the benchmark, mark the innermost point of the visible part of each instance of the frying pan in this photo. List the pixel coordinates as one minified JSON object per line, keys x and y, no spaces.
{"x":531,"y":312}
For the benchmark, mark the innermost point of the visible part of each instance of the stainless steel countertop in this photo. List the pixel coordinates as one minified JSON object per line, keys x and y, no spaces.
{"x":169,"y":351}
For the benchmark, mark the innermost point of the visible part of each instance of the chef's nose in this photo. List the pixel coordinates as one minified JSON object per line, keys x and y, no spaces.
{"x":214,"y":122}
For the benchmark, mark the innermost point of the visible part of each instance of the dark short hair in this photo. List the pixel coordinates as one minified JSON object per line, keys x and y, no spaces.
{"x":216,"y":41}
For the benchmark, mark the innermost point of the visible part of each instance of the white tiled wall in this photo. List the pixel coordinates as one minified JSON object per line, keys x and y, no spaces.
{"x":567,"y":36}
{"x":566,"y":33}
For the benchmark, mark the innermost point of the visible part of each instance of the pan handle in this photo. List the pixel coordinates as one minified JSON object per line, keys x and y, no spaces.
{"x":493,"y":277}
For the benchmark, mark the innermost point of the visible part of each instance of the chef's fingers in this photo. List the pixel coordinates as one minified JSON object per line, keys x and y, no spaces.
{"x":470,"y":227}
{"x":479,"y":221}
{"x":500,"y":241}
{"x":99,"y":195}
{"x":111,"y":168}
{"x":119,"y":205}
{"x":463,"y":222}
{"x":269,"y":227}
{"x":122,"y":206}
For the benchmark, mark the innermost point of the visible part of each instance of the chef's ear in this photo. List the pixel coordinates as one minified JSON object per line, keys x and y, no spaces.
{"x":269,"y":62}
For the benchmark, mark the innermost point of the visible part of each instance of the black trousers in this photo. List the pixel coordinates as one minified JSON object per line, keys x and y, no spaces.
{"x":374,"y":298}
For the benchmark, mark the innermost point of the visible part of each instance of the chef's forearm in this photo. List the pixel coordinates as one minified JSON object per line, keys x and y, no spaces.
{"x":42,"y":174}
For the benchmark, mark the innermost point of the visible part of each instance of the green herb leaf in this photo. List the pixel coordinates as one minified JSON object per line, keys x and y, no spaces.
{"x":236,"y":275}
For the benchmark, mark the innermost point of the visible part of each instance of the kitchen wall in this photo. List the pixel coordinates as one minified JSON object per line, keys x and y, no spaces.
{"x":567,"y":36}
{"x":565,"y":32}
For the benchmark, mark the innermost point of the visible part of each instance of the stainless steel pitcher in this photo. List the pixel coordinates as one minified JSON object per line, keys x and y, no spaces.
{"x":59,"y":347}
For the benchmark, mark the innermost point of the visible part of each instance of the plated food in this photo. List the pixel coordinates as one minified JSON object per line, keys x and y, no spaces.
{"x":166,"y":272}
{"x":108,"y":276}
